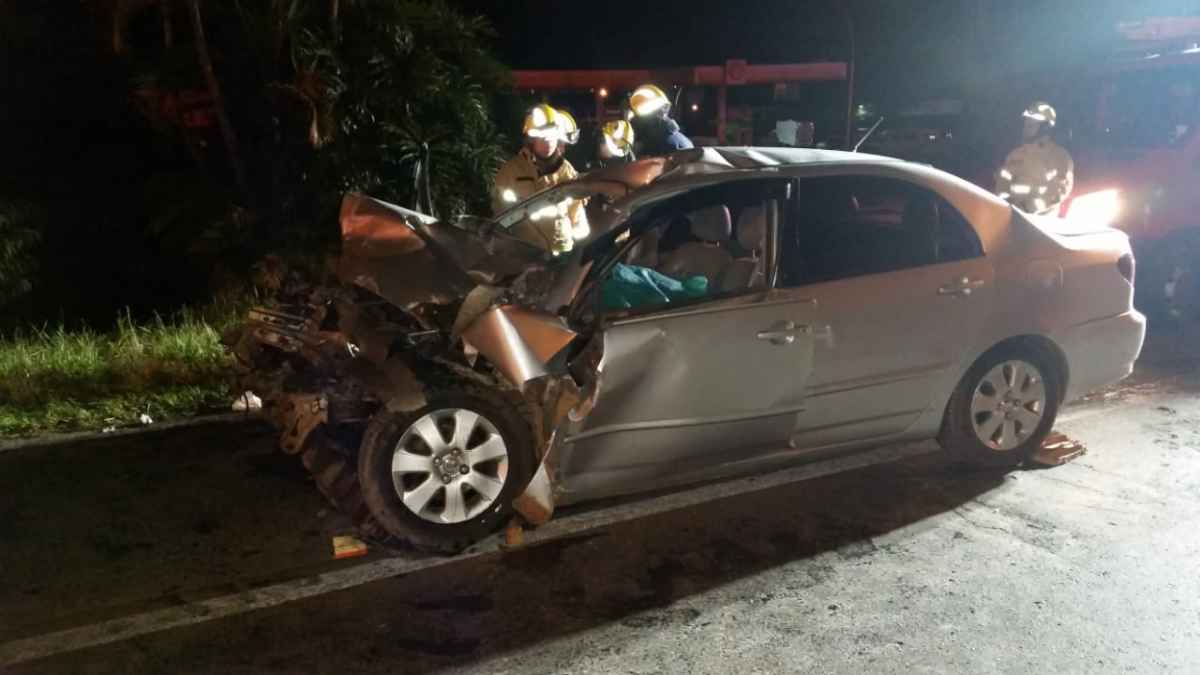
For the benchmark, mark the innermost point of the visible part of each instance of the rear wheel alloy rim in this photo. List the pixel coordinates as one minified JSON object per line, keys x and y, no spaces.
{"x":1008,"y":405}
{"x":450,"y":466}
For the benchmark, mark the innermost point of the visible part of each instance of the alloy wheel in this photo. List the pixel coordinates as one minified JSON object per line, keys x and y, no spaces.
{"x":450,"y":465}
{"x":1008,"y":405}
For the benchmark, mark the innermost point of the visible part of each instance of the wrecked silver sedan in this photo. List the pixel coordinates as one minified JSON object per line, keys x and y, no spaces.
{"x":735,"y":311}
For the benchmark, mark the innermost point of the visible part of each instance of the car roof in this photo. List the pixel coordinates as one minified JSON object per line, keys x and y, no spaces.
{"x":717,"y":158}
{"x":691,"y":169}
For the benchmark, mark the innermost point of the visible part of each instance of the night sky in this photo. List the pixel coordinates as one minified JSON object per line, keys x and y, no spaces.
{"x":906,"y":48}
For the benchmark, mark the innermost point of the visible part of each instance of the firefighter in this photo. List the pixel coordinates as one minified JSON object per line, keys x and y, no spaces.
{"x":1039,"y":174}
{"x":650,"y":114}
{"x":539,"y":165}
{"x":614,"y":145}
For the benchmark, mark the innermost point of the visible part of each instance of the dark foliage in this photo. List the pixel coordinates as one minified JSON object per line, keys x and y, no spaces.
{"x":140,"y":203}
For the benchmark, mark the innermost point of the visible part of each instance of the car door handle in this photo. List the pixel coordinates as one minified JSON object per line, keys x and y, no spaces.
{"x":782,"y":333}
{"x":962,"y":286}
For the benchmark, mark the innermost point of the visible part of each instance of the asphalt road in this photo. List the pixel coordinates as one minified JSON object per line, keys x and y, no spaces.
{"x":918,"y":566}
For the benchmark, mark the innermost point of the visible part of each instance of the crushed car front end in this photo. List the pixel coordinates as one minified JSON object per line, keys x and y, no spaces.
{"x":424,"y":325}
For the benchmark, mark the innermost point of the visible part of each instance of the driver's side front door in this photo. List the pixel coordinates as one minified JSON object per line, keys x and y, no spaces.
{"x":688,"y":392}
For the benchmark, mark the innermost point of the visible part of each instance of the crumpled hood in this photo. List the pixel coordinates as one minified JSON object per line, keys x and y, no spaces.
{"x":409,"y":258}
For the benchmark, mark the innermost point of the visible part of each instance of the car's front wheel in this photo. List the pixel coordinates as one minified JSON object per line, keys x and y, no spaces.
{"x":442,"y":477}
{"x":1002,"y":409}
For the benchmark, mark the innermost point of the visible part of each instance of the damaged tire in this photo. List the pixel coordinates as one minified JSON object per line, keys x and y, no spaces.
{"x":444,"y":476}
{"x":336,"y":478}
{"x":1003,"y":408}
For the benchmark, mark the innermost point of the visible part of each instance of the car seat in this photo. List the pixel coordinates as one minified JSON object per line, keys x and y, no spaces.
{"x":708,"y":257}
{"x":747,"y":271}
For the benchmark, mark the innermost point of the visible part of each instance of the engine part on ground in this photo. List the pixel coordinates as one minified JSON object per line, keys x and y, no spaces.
{"x":346,"y":546}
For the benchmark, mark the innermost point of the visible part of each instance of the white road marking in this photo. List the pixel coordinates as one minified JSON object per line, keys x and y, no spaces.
{"x":132,"y":626}
{"x":124,"y":628}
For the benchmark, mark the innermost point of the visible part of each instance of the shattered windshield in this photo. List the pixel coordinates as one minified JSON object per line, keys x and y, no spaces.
{"x":548,"y":204}
{"x":597,"y":188}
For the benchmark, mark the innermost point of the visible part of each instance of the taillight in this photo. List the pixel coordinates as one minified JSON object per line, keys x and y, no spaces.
{"x":1125,"y":266}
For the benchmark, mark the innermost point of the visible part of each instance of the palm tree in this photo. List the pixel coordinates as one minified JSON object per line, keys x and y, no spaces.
{"x":417,"y":75}
{"x":305,"y":113}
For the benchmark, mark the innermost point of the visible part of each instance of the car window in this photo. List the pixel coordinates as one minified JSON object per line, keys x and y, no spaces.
{"x":850,"y":226}
{"x":705,"y":243}
{"x":956,"y":237}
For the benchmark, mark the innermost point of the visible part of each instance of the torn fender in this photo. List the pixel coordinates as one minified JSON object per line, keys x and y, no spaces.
{"x":517,"y":341}
{"x":566,"y":407}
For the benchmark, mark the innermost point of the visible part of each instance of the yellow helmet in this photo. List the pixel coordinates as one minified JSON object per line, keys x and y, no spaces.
{"x":648,"y":99}
{"x":618,"y":137}
{"x":542,"y":121}
{"x":570,"y":129}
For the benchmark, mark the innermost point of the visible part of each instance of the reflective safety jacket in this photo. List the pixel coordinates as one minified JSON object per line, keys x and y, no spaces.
{"x":1036,"y":177}
{"x":517,"y":180}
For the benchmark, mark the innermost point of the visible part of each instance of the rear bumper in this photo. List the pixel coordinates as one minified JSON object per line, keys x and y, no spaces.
{"x":1101,"y":352}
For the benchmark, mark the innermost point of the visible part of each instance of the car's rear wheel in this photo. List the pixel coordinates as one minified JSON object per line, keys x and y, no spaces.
{"x":1003,"y":408}
{"x":442,"y":477}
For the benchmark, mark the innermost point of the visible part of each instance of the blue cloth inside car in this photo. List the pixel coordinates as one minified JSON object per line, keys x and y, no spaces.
{"x":631,"y":286}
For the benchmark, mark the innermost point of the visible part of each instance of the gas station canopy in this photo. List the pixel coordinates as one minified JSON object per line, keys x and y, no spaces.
{"x":735,"y":72}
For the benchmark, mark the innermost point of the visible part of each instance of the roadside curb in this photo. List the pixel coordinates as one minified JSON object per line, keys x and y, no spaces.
{"x":80,"y":436}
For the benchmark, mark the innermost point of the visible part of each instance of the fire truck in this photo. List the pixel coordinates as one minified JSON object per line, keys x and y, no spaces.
{"x":1138,"y":158}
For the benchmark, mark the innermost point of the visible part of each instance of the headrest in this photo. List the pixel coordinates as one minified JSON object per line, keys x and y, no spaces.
{"x":752,"y":226}
{"x":711,"y":224}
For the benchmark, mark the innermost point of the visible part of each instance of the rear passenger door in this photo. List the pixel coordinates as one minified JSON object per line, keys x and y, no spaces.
{"x":899,"y":277}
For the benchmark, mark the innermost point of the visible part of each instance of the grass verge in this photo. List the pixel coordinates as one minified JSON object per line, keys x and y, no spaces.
{"x":60,"y":380}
